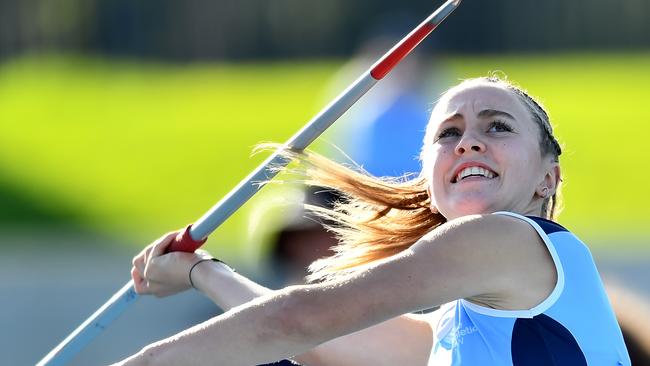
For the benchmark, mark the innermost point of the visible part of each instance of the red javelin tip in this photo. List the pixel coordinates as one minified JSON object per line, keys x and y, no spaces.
{"x":400,"y":51}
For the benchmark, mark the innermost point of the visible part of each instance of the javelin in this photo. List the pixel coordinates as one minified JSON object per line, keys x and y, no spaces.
{"x":196,"y":234}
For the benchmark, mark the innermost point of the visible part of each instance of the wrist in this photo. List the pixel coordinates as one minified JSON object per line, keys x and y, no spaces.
{"x":205,"y":270}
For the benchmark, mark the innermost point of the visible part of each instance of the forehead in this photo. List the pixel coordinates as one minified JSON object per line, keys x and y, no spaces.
{"x":474,"y":98}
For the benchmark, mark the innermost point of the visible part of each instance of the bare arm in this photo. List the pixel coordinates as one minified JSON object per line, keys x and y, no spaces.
{"x":405,"y":339}
{"x":470,"y":258}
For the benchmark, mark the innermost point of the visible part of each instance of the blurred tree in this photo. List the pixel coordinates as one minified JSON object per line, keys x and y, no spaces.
{"x":19,"y":208}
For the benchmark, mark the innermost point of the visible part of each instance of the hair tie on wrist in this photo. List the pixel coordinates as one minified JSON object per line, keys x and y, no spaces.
{"x":205,"y":260}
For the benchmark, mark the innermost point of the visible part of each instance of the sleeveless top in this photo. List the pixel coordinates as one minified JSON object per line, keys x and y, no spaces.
{"x":574,"y":325}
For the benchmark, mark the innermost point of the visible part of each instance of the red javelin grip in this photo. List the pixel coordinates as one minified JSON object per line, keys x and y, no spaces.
{"x":183,"y":242}
{"x":400,"y":51}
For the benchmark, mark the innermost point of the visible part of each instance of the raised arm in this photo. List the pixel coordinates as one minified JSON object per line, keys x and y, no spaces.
{"x":474,"y":258}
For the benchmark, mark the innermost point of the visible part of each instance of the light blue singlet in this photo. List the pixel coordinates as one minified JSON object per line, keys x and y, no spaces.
{"x":574,"y":325}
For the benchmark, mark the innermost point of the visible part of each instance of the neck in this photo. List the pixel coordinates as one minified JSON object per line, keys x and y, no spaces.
{"x":534,"y":208}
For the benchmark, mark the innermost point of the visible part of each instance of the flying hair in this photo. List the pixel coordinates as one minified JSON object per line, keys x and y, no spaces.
{"x":378,"y":217}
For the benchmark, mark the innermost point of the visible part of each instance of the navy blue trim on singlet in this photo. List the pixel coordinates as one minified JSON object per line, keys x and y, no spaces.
{"x":548,"y":226}
{"x":542,"y":341}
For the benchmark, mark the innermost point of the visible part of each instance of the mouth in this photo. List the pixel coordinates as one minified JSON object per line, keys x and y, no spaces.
{"x":473,"y":171}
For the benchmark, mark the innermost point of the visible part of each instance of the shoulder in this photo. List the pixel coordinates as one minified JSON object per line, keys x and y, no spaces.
{"x":495,"y":241}
{"x":498,"y":257}
{"x":491,"y":231}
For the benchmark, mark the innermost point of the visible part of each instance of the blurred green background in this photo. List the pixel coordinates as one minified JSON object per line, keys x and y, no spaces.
{"x":134,"y":149}
{"x":121,"y":120}
{"x":128,"y":119}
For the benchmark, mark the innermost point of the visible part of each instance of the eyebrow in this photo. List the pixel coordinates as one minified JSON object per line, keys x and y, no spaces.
{"x":486,"y":113}
{"x":494,"y":113}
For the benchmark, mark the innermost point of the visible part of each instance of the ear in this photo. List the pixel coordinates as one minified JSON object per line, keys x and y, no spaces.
{"x":551,"y":181}
{"x":432,"y":207}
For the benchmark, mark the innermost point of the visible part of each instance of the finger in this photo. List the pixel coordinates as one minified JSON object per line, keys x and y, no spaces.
{"x":156,"y":249}
{"x":139,"y":256}
{"x":138,"y":263}
{"x":146,"y":252}
{"x":135,"y":276}
{"x":140,"y":266}
{"x":139,"y":284}
{"x":163,"y":244}
{"x":149,"y":271}
{"x":159,"y":247}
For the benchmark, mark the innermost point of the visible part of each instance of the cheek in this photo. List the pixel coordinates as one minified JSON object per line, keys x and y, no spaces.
{"x":441,"y":160}
{"x":524,"y":164}
{"x":441,"y":163}
{"x":434,"y":164}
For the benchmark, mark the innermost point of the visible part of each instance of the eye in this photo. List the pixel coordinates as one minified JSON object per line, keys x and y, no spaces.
{"x":499,"y":126}
{"x":448,"y":132}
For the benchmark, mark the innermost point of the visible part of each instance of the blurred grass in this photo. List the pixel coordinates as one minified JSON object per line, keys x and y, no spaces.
{"x":137,"y":149}
{"x":140,"y":149}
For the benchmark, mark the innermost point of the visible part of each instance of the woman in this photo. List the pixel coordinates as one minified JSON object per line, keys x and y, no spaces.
{"x":470,"y":235}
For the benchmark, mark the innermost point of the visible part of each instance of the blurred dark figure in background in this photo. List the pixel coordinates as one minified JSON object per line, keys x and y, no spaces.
{"x":303,"y":239}
{"x":633,"y":314}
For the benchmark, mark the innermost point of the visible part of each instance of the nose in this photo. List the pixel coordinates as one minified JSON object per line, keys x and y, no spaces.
{"x":469,"y":143}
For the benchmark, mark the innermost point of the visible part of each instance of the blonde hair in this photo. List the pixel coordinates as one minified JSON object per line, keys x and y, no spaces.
{"x":380,"y":217}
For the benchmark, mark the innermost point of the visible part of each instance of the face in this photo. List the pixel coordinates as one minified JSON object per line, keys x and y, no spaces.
{"x":482,"y":154}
